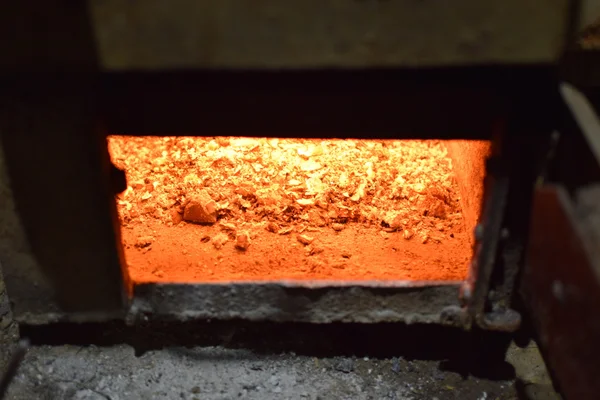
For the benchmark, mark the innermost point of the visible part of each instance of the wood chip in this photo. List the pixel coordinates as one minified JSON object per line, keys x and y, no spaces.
{"x":227,"y":226}
{"x":394,"y":220}
{"x":306,"y":202}
{"x":242,"y":241}
{"x":219,"y":240}
{"x":310,"y":165}
{"x":158,"y":272}
{"x":310,"y":150}
{"x":339,"y":265}
{"x":144,"y":241}
{"x":272,"y":227}
{"x":337,"y":227}
{"x":201,"y":209}
{"x":314,"y":249}
{"x":305,"y":239}
{"x":223,"y":141}
{"x":360,"y":193}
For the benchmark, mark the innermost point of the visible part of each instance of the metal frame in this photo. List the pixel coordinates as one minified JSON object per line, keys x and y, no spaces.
{"x":90,"y":286}
{"x":58,"y":102}
{"x":328,"y":33}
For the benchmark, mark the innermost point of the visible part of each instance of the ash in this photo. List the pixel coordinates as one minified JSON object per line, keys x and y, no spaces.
{"x":114,"y":372}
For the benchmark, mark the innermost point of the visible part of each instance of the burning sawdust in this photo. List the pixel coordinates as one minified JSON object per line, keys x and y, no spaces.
{"x":287,"y":186}
{"x":239,"y":209}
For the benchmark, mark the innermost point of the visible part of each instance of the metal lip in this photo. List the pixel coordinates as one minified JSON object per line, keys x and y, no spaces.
{"x":296,"y":301}
{"x":312,"y":284}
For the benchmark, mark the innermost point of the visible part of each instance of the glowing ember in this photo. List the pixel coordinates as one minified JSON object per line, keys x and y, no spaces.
{"x":219,"y":209}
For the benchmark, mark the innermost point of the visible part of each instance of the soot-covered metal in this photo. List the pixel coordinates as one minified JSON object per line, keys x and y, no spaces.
{"x":62,"y":257}
{"x":78,"y":191}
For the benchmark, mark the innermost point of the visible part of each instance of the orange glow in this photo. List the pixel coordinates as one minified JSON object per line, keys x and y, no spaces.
{"x":292,"y":209}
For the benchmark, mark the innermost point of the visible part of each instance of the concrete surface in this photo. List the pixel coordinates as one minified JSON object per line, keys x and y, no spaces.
{"x":114,"y":372}
{"x":8,"y":328}
{"x":531,"y":372}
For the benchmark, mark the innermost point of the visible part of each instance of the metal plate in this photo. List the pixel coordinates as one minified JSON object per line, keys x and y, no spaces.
{"x":155,"y":34}
{"x":561,"y":285}
{"x":411,"y":302}
{"x":59,"y":247}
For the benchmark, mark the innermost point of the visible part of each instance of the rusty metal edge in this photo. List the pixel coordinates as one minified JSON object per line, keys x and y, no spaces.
{"x":563,"y":299}
{"x":485,"y":257}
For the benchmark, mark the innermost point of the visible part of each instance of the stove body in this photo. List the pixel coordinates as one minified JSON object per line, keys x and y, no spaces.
{"x":64,"y":251}
{"x":271,"y":70}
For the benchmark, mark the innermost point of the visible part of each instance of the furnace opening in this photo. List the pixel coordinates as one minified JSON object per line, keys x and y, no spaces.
{"x":225,"y":209}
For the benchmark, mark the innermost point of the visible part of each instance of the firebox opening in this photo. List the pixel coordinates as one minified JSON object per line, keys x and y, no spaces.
{"x":226,"y":209}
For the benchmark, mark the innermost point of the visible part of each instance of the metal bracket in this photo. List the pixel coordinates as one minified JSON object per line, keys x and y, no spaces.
{"x":474,"y":293}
